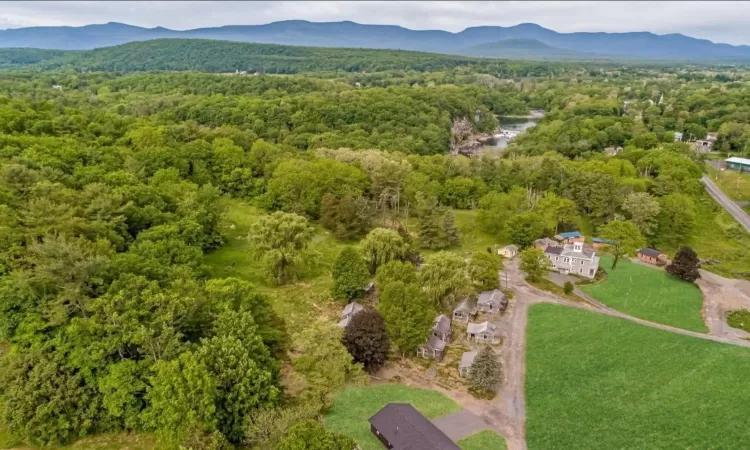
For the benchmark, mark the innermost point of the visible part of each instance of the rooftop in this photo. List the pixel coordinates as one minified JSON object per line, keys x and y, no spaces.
{"x":571,"y":234}
{"x":553,"y":250}
{"x":436,"y":343}
{"x":737,"y":160}
{"x":650,"y":252}
{"x":405,"y":428}
{"x":351,"y":309}
{"x":469,"y":304}
{"x":568,"y":250}
{"x":475,"y":328}
{"x":442,"y":324}
{"x":467,"y":359}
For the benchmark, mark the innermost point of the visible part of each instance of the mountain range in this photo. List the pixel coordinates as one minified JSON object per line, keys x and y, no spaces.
{"x":519,"y":41}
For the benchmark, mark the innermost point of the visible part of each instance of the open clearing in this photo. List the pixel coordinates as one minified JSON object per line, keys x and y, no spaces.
{"x":123,"y":441}
{"x":595,"y":382}
{"x":352,"y":407}
{"x":650,"y":294}
{"x":734,"y":184}
{"x":484,"y":440}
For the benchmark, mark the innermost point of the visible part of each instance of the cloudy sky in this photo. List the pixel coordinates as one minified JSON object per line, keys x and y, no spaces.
{"x":717,"y":21}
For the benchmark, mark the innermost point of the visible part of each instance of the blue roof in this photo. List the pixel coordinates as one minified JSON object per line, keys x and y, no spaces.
{"x":602,"y":240}
{"x":570,"y":234}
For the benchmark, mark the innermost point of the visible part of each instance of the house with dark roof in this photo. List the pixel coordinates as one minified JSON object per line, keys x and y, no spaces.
{"x":441,"y":329}
{"x":573,"y":259}
{"x":652,"y":256}
{"x":492,"y":302}
{"x":399,"y":426}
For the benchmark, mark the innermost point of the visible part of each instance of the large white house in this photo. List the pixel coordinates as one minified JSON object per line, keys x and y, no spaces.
{"x":573,"y":259}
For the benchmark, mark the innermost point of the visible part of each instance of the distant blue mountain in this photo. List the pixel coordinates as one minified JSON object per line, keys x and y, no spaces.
{"x":640,"y":45}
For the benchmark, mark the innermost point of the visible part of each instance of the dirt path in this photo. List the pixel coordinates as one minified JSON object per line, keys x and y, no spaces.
{"x":721,"y":295}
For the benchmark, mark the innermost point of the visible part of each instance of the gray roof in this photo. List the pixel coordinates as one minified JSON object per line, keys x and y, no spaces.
{"x":511,"y":247}
{"x":476,"y":328}
{"x":547,"y":241}
{"x":467,"y":359}
{"x":494,"y":297}
{"x":553,"y":250}
{"x":583,"y":254}
{"x":405,"y":428}
{"x":344,"y":322}
{"x":650,"y":252}
{"x":442,"y":324}
{"x":351,"y":309}
{"x":435,"y":343}
{"x":468,"y":305}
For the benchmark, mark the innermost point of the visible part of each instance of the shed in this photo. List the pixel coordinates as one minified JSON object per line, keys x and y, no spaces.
{"x":442,"y":328}
{"x":467,"y":359}
{"x":465,"y":310}
{"x":482,"y":332}
{"x":652,"y":256}
{"x":492,"y":301}
{"x":509,"y":251}
{"x":432,"y":349}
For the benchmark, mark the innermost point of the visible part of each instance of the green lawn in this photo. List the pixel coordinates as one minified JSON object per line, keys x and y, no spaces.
{"x":123,"y":441}
{"x":352,"y":407}
{"x":734,"y":184}
{"x":599,"y":382}
{"x":484,"y":440}
{"x":649,"y":293}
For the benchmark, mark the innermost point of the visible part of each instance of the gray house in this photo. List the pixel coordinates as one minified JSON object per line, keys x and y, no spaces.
{"x":482,"y":332}
{"x":467,"y":359}
{"x":434,"y":348}
{"x":349,"y":311}
{"x":493,"y":301}
{"x":442,"y":328}
{"x":465,"y":310}
{"x":573,"y":259}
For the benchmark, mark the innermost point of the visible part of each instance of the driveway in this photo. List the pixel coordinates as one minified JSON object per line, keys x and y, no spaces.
{"x":726,"y":203}
{"x":721,"y":295}
{"x":460,"y":425}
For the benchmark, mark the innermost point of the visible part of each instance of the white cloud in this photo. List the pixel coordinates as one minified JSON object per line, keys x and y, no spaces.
{"x":718,"y":21}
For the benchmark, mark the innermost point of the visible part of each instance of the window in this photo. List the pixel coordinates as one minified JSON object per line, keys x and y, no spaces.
{"x":556,"y":258}
{"x":581,"y":262}
{"x":580,"y":270}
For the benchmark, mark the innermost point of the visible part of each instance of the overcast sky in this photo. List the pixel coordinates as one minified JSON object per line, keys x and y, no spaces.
{"x":718,"y":21}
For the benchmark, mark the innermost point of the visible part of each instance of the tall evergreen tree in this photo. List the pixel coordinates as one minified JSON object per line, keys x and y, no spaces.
{"x":450,"y":231}
{"x":486,"y":371}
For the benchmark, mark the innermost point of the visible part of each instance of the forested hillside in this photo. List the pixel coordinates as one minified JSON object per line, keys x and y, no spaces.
{"x":114,"y":191}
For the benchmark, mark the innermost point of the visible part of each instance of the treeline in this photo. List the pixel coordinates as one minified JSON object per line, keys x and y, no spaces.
{"x":224,"y":56}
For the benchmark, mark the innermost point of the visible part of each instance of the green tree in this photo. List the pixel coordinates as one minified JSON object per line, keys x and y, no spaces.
{"x":685,"y":264}
{"x":382,"y":245}
{"x":450,"y":230}
{"x":310,"y":435}
{"x":443,"y":278}
{"x":484,"y":270}
{"x":350,"y":274}
{"x":625,"y":238}
{"x":568,"y":288}
{"x":525,"y":228}
{"x":534,"y":263}
{"x":643,"y":210}
{"x":395,"y":271}
{"x":676,"y":220}
{"x":347,"y":217}
{"x":281,"y":239}
{"x":408,"y":314}
{"x":367,"y":339}
{"x":556,"y":210}
{"x":486,"y":371}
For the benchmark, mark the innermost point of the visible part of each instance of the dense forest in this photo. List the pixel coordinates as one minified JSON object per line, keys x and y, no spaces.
{"x":114,"y":188}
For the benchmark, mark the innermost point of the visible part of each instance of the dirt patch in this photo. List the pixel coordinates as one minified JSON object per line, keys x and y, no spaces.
{"x":720,"y":296}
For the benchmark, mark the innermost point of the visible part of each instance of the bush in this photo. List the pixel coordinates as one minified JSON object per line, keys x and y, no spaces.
{"x":568,"y":288}
{"x":739,"y":319}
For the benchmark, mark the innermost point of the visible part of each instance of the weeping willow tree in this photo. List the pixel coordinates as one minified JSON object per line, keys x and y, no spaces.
{"x":381,"y":246}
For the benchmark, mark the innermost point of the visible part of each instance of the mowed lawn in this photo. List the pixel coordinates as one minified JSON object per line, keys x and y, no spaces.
{"x":484,"y":440}
{"x":599,"y":382}
{"x":352,"y":407}
{"x":649,"y":293}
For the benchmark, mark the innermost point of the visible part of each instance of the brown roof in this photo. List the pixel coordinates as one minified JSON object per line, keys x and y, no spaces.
{"x":405,"y":428}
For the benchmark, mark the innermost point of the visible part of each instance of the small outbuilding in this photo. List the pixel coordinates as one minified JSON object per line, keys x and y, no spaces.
{"x":348,"y":312}
{"x":652,"y":256}
{"x":467,"y":359}
{"x":442,"y":328}
{"x":465,"y":310}
{"x":543,"y":243}
{"x":434,"y":348}
{"x":741,"y":164}
{"x":509,"y":251}
{"x":569,"y":237}
{"x":482,"y":332}
{"x":492,"y":302}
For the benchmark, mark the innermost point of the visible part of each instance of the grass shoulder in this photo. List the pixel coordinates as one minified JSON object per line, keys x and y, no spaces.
{"x":484,"y":440}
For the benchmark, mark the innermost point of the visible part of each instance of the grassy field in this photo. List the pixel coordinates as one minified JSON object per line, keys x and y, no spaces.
{"x":484,"y":440}
{"x":733,"y":183}
{"x":649,"y":293}
{"x":598,"y":382}
{"x":295,"y":302}
{"x":352,"y":407}
{"x":122,"y":441}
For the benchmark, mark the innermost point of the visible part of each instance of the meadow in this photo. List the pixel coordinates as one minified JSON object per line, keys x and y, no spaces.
{"x":649,"y":293}
{"x":484,"y":440}
{"x":595,"y":382}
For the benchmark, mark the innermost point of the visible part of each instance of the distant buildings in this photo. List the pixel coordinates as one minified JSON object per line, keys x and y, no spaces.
{"x":509,"y":251}
{"x":736,"y":163}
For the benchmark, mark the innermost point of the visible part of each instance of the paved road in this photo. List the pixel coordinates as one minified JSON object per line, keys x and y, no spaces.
{"x":726,"y":203}
{"x":460,"y":425}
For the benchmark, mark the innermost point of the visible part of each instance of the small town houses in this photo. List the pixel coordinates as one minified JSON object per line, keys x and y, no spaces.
{"x":483,"y":332}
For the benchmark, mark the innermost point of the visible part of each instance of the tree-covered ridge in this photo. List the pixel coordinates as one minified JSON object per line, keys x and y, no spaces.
{"x":225,"y":56}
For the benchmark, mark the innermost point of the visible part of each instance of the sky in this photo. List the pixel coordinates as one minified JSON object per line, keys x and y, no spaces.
{"x":717,"y":21}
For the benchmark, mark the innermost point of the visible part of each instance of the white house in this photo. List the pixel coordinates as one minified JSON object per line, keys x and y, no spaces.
{"x":509,"y":251}
{"x":573,"y":259}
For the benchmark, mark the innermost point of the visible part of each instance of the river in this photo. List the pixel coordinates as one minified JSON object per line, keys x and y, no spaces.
{"x":513,"y":125}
